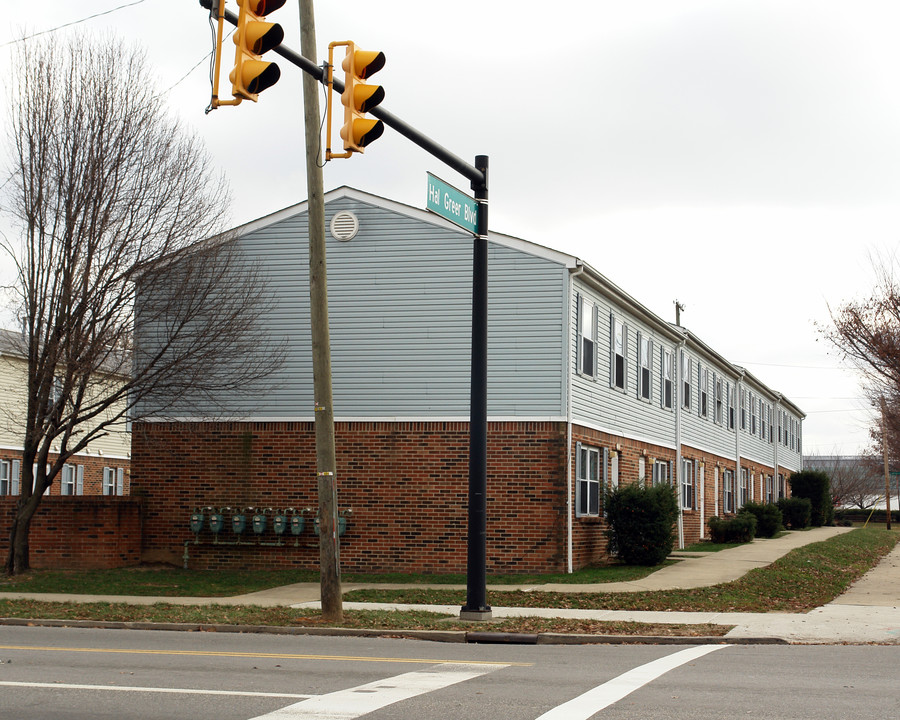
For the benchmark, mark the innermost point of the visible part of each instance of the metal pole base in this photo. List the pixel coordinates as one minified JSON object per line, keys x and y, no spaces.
{"x":476,"y":615}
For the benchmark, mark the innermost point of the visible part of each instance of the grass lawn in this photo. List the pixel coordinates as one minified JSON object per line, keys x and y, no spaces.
{"x":176,"y":582}
{"x":801,"y":580}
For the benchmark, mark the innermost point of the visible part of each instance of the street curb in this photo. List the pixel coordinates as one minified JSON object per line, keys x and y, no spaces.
{"x":447,"y":636}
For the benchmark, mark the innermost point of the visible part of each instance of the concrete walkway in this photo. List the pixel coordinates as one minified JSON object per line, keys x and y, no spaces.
{"x":868,"y":612}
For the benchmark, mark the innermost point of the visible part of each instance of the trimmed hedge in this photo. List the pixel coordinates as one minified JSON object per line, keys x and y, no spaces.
{"x":795,"y":512}
{"x":816,"y":486}
{"x":641,"y":523}
{"x":739,"y":529}
{"x":768,"y":518}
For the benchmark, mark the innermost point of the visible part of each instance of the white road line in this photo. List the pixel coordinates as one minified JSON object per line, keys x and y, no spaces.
{"x":363,"y":699}
{"x":593,"y":701}
{"x":137,"y":688}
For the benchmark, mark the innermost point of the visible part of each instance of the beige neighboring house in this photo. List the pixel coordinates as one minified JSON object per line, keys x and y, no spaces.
{"x":103,"y":468}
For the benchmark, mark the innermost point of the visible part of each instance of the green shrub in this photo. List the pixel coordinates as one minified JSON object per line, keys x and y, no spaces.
{"x":739,"y":529}
{"x":795,"y":512}
{"x":816,"y":486}
{"x":641,"y":523}
{"x":768,"y":518}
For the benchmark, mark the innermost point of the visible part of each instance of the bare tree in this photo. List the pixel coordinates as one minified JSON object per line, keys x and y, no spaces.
{"x":111,"y":194}
{"x":856,"y":480}
{"x":867,"y":333}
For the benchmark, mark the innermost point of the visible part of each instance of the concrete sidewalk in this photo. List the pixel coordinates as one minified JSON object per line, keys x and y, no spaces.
{"x":868,"y":612}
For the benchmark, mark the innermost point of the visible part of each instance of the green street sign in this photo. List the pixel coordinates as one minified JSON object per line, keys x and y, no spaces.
{"x":452,"y":204}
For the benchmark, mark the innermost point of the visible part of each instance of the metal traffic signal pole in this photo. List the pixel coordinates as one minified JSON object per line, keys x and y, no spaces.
{"x":476,"y":607}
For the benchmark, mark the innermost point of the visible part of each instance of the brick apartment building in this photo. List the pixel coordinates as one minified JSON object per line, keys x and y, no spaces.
{"x":587,"y":389}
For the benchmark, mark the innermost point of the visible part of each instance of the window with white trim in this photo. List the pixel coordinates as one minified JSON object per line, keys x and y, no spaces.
{"x":5,"y":481}
{"x":618,"y":353}
{"x":113,"y":481}
{"x":743,"y":409}
{"x":660,"y":472}
{"x":687,"y":484}
{"x":703,"y":383}
{"x":729,"y":394}
{"x":718,"y":399}
{"x":67,"y":480}
{"x":728,"y":491}
{"x":743,"y":497}
{"x":752,"y":414}
{"x":780,"y":486}
{"x":667,"y":370}
{"x":587,"y":488}
{"x":686,"y":368}
{"x":586,"y":348}
{"x":770,"y":490}
{"x":645,"y":352}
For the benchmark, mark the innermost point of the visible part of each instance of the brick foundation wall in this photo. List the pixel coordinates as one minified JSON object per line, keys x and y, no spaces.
{"x":407,"y":485}
{"x":79,"y":533}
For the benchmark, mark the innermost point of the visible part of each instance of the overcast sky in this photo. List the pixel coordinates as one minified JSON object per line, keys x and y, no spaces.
{"x":739,"y":156}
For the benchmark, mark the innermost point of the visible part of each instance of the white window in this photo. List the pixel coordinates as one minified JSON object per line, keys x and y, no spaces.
{"x":660,"y":472}
{"x":703,"y":383}
{"x":642,"y":470}
{"x":743,"y":409}
{"x":729,"y":393}
{"x":770,"y":491}
{"x":67,"y":480}
{"x":719,"y":399}
{"x":687,"y":484}
{"x":587,"y":337}
{"x":752,"y":414}
{"x":742,"y":499}
{"x":686,"y":367}
{"x":5,"y":482}
{"x":780,"y":485}
{"x":587,"y":488}
{"x":728,"y":491}
{"x":72,"y":480}
{"x":645,"y":352}
{"x":113,"y":481}
{"x":619,"y":347}
{"x":667,"y":369}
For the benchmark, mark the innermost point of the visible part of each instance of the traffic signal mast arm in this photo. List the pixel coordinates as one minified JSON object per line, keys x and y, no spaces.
{"x":477,"y":177}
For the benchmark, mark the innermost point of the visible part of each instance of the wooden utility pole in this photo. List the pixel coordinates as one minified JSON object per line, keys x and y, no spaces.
{"x":329,"y":544}
{"x":887,"y":472}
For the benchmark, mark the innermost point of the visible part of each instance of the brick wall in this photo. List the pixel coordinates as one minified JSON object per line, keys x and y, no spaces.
{"x":407,"y":485}
{"x":78,"y":533}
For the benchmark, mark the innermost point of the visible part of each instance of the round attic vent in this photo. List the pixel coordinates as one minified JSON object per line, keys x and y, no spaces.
{"x":344,"y":226}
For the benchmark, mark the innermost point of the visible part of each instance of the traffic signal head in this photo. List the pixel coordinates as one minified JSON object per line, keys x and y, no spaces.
{"x":254,"y":37}
{"x":359,"y":98}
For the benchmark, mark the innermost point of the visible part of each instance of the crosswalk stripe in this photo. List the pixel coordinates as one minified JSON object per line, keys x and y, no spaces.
{"x":363,"y":699}
{"x":593,"y":701}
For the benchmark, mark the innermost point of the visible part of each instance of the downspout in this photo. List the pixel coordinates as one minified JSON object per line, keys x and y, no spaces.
{"x":736,"y":481}
{"x":679,"y":403}
{"x":775,"y":444}
{"x":569,"y":364}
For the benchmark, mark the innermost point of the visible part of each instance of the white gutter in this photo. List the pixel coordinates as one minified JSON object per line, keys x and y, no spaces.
{"x":679,"y":403}
{"x":568,"y":359}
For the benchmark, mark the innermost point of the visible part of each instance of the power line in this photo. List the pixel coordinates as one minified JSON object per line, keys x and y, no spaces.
{"x":69,"y":24}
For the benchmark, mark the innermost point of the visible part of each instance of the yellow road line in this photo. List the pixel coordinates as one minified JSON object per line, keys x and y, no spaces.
{"x":276,"y":656}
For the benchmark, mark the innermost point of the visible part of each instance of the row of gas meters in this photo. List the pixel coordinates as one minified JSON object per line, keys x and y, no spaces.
{"x":258,"y":519}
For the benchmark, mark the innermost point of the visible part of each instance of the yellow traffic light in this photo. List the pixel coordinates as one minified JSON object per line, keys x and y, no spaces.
{"x":359,"y":98}
{"x":253,"y":38}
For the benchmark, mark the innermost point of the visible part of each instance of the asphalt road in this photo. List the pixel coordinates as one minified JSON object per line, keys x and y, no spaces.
{"x":78,"y":673}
